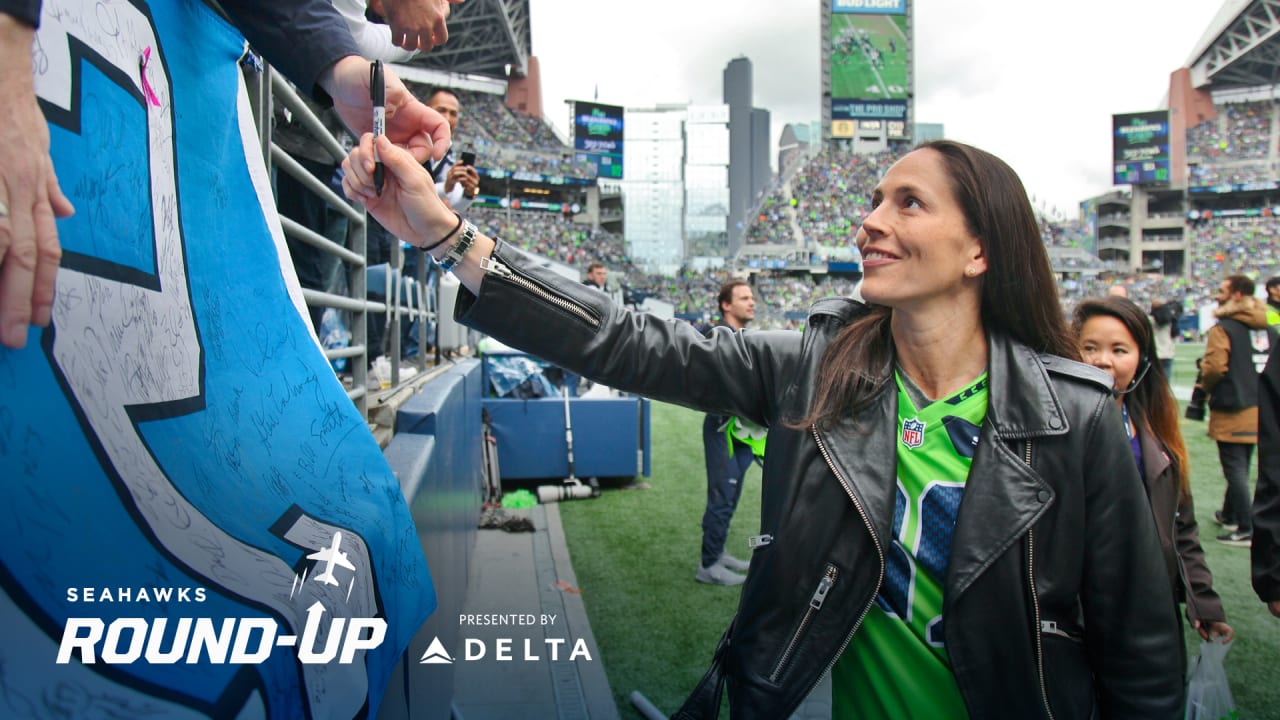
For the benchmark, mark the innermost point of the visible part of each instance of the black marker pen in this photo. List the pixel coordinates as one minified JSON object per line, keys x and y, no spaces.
{"x":378,"y":94}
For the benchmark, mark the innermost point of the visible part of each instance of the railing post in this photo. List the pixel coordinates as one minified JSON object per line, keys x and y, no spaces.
{"x":264,"y":89}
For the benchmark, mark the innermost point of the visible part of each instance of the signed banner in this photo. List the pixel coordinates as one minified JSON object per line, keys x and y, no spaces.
{"x":198,"y":521}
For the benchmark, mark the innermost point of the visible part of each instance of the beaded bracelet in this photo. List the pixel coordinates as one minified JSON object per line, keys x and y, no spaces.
{"x":459,"y":250}
{"x":444,"y":239}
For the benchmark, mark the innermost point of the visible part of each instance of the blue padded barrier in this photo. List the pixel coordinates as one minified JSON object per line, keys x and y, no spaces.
{"x":610,"y":437}
{"x":436,"y":455}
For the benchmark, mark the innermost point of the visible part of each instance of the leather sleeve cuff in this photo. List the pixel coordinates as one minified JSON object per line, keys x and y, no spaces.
{"x":556,"y":327}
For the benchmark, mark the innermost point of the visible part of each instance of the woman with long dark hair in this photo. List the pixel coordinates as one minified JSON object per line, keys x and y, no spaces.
{"x":951,"y":521}
{"x":1115,"y":336}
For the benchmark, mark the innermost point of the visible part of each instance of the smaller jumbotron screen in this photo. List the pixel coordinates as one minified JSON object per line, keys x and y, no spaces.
{"x":597,"y":132}
{"x":1141,"y":144}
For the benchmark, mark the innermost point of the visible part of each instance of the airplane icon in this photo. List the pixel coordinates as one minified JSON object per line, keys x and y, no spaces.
{"x":331,"y":556}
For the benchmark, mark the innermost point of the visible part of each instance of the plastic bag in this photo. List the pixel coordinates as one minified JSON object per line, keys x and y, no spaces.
{"x":334,"y":334}
{"x":1208,"y":693}
{"x":519,"y":376}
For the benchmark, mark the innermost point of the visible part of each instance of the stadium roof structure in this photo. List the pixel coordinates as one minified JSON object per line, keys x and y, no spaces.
{"x":486,"y":37}
{"x":1241,"y":47}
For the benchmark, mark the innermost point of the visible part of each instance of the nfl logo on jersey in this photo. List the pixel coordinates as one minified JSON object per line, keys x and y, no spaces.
{"x":912,"y":433}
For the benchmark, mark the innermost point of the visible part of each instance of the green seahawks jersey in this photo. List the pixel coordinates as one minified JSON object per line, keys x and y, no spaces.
{"x":896,"y":666}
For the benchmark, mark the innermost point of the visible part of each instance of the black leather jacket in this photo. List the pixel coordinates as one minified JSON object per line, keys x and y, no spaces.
{"x":1266,"y":500}
{"x":1057,"y":602}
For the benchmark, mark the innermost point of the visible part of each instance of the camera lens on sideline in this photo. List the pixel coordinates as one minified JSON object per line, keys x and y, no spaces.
{"x":556,"y":493}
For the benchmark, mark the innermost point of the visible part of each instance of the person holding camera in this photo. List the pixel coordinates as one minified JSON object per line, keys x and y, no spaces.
{"x":456,"y":181}
{"x":1234,"y":354}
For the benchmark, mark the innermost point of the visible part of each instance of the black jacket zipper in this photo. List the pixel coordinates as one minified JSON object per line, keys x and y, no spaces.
{"x":1035,"y":606}
{"x":822,"y":449}
{"x":815,"y":604}
{"x":496,"y":267}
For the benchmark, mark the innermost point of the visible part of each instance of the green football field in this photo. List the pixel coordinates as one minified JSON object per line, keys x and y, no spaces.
{"x":869,"y":57}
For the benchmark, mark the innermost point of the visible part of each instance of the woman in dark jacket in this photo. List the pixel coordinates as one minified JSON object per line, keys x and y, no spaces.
{"x":932,"y":454}
{"x":1115,"y":336}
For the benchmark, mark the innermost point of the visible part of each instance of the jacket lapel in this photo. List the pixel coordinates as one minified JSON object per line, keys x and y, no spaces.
{"x":863,"y":448}
{"x":1154,"y":460}
{"x":1003,"y":496}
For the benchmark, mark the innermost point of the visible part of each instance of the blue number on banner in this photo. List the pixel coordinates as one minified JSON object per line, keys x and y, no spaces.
{"x":937,"y":509}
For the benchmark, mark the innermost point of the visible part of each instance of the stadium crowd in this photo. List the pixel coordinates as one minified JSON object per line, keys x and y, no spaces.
{"x":823,"y":201}
{"x":827,"y":196}
{"x":1236,"y":148}
{"x":1236,"y":174}
{"x":773,"y":222}
{"x":493,"y":155}
{"x":1241,"y":132}
{"x":486,"y":116}
{"x":1226,"y":245}
{"x":555,"y":236}
{"x":782,"y":294}
{"x":505,"y":140}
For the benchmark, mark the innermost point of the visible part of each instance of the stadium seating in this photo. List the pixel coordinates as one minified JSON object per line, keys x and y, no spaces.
{"x":1236,"y":147}
{"x":1229,"y":245}
{"x":556,"y":237}
{"x":506,"y":140}
{"x":821,"y":203}
{"x":827,"y":196}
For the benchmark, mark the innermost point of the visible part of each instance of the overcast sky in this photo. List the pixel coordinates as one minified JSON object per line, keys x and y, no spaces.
{"x":1035,"y":83}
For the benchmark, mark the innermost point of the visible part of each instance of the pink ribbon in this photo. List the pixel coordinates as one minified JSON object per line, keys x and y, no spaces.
{"x":146,"y":86}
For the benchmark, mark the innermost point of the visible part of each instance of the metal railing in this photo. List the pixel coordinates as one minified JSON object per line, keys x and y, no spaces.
{"x":266,"y":87}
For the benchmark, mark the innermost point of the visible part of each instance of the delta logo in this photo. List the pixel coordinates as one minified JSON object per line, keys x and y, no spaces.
{"x":477,"y":649}
{"x":325,"y":636}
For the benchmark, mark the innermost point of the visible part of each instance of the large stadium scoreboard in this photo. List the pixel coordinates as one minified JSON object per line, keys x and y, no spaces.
{"x":869,"y":63}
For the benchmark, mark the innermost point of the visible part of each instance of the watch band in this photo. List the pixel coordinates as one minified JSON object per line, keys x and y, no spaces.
{"x":459,"y":249}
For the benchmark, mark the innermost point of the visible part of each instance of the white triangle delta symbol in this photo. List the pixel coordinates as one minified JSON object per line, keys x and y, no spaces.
{"x":435,"y":654}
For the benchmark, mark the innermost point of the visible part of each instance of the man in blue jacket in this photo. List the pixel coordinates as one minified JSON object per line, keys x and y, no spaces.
{"x":727,"y":457}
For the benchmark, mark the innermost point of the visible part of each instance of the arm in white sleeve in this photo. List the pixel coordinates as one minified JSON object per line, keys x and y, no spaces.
{"x":373,"y":39}
{"x":457,"y":197}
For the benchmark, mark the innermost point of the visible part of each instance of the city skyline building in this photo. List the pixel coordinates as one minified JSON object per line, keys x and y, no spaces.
{"x":707,"y":138}
{"x":676,"y":190}
{"x":653,"y":188}
{"x":749,"y":172}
